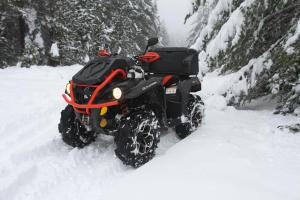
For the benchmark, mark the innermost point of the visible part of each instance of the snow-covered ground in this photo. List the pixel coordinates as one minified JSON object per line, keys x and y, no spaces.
{"x":236,"y":154}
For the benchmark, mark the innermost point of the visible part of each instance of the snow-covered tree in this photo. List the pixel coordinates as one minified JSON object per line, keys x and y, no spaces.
{"x":25,"y":31}
{"x":257,"y":41}
{"x":30,"y":29}
{"x":89,"y":25}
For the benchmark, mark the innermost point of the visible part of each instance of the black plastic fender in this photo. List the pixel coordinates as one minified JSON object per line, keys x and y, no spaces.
{"x":196,"y":84}
{"x":143,"y":87}
{"x":150,"y":92}
{"x":184,"y":88}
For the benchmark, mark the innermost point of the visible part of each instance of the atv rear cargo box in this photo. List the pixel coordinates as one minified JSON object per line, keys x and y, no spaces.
{"x":174,"y":60}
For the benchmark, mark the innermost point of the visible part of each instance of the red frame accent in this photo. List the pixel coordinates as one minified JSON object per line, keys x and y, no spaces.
{"x":149,"y":57}
{"x":166,"y":79}
{"x":103,"y":53}
{"x":90,"y":104}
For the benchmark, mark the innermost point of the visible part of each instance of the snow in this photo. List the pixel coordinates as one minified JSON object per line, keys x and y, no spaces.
{"x":30,"y":16}
{"x":203,"y":65}
{"x":231,"y":29}
{"x":220,"y":162}
{"x":293,"y":38}
{"x":227,"y":36}
{"x":137,"y":47}
{"x":235,"y":154}
{"x":54,"y":51}
{"x":257,"y":31}
{"x":220,"y":7}
{"x":290,"y":50}
{"x":131,"y":5}
{"x":234,"y":84}
{"x":39,"y":40}
{"x":216,"y":102}
{"x":86,"y":58}
{"x":297,"y":89}
{"x":297,"y":111}
{"x":266,"y":4}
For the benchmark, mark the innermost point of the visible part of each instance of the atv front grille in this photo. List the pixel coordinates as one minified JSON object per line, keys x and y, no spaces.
{"x":83,"y":94}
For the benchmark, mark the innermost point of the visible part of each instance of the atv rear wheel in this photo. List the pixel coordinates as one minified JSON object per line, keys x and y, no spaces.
{"x":195,"y":110}
{"x":137,"y":138}
{"x":72,"y":131}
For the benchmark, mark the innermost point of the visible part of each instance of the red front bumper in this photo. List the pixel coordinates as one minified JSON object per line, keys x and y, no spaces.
{"x":85,"y":108}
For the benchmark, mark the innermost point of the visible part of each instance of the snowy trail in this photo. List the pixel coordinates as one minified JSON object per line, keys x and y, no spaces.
{"x":236,"y":154}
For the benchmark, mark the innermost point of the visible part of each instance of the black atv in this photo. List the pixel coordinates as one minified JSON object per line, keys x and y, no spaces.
{"x":133,"y":99}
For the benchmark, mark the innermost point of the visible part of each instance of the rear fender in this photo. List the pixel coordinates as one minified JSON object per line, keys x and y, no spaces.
{"x":184,"y":88}
{"x":195,"y":84}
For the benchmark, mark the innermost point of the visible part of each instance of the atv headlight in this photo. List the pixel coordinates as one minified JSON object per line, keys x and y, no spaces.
{"x":68,"y":88}
{"x":117,"y":93}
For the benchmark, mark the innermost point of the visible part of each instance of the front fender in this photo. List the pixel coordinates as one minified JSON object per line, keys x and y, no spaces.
{"x":151,"y":93}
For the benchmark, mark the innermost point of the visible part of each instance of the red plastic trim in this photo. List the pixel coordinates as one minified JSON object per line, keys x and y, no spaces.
{"x":85,"y":106}
{"x":149,"y":57}
{"x":166,"y":79}
{"x":83,"y":85}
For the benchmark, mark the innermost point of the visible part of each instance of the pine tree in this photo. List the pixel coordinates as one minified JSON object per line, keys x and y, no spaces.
{"x":258,"y":50}
{"x":12,"y":28}
{"x":120,"y":24}
{"x":77,"y":27}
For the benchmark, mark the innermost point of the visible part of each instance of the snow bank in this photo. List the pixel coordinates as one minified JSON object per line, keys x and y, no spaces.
{"x":234,"y":155}
{"x":217,"y":102}
{"x":238,"y":83}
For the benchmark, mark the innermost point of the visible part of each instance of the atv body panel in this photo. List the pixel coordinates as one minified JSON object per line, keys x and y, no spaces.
{"x":95,"y":71}
{"x":143,"y":86}
{"x":177,"y":97}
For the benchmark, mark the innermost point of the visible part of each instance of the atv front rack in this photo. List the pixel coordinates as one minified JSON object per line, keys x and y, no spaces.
{"x":85,"y":108}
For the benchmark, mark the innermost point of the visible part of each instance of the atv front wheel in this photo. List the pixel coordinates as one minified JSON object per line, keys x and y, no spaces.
{"x":72,"y":131}
{"x":195,"y":110}
{"x":137,"y":138}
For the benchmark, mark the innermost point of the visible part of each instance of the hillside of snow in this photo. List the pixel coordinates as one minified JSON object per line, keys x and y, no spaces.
{"x":234,"y":155}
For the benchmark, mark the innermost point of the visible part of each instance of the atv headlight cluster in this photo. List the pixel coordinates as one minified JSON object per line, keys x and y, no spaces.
{"x":117,"y":93}
{"x":68,"y":88}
